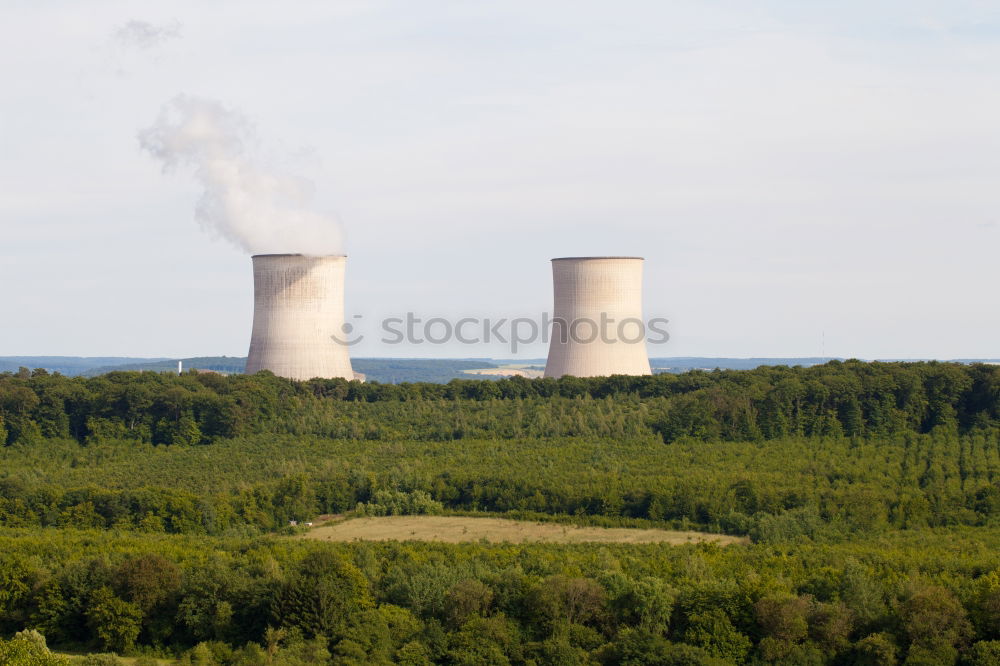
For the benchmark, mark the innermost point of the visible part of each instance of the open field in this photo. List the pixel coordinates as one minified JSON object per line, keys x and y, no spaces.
{"x":505,"y":372}
{"x":80,"y":657}
{"x":457,"y":529}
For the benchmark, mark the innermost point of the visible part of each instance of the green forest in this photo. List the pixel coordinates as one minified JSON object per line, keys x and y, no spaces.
{"x":148,"y":515}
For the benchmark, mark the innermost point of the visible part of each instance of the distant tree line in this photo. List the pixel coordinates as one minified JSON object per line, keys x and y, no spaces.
{"x":850,"y":398}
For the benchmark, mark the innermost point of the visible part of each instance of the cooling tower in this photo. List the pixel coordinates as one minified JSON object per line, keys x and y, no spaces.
{"x":597,"y":327}
{"x":298,"y":317}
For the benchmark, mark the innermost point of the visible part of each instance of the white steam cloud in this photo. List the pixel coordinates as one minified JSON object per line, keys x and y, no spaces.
{"x":257,"y":208}
{"x":146,"y":35}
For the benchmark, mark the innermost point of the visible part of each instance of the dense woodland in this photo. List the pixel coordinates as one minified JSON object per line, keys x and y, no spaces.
{"x":146,"y":513}
{"x":850,"y":398}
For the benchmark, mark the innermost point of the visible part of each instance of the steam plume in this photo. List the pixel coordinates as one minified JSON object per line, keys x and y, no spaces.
{"x":258,"y":209}
{"x":146,"y":35}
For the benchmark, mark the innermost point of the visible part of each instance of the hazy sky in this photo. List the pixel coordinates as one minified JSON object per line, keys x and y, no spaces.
{"x":788,"y":170}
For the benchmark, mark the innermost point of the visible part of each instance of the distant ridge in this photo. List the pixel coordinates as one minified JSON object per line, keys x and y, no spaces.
{"x":228,"y":364}
{"x":398,"y":370}
{"x":69,"y":365}
{"x":384,"y":370}
{"x":686,"y":363}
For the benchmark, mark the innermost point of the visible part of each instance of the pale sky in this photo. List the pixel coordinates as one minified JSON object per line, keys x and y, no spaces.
{"x":791,"y":171}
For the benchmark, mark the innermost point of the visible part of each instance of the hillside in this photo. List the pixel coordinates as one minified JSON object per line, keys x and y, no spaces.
{"x":507,"y":522}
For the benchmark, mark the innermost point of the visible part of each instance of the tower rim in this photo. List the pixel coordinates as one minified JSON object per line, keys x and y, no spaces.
{"x":584,"y":258}
{"x":297,"y":254}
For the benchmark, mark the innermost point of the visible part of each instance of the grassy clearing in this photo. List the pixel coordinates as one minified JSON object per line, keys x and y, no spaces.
{"x":504,"y":371}
{"x":458,"y":529}
{"x":79,"y":658}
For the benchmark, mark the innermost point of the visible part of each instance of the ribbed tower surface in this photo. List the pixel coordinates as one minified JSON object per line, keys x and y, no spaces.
{"x":593,"y":297}
{"x":298,"y":317}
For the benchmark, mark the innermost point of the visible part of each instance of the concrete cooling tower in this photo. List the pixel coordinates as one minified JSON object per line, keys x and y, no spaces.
{"x":597,"y":328}
{"x":298,"y":317}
